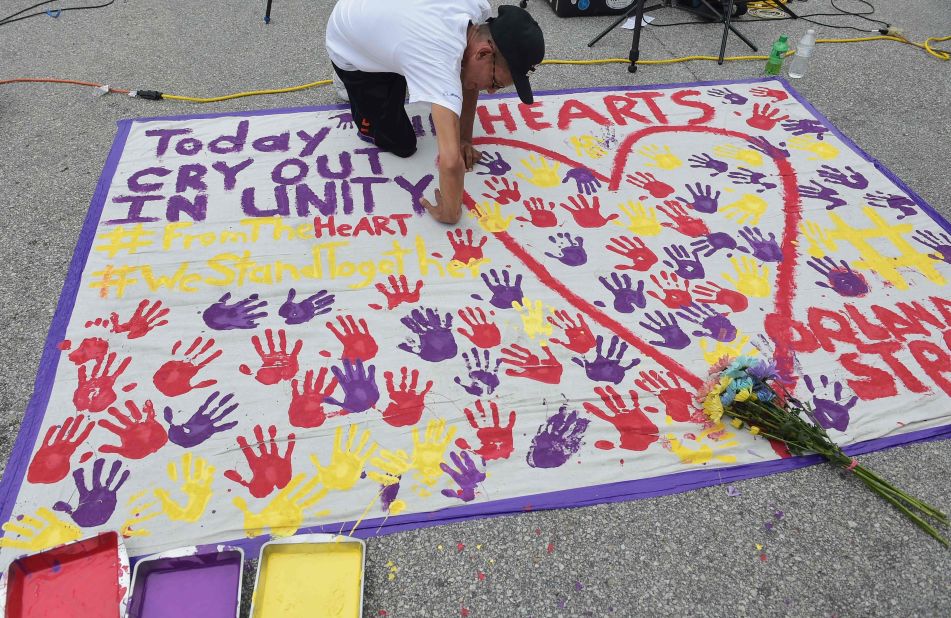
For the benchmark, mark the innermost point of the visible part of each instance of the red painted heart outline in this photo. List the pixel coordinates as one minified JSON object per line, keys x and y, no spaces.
{"x":785,"y":272}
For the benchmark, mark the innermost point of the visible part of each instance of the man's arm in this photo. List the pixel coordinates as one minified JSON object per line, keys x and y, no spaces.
{"x":452,"y":168}
{"x":470,"y":99}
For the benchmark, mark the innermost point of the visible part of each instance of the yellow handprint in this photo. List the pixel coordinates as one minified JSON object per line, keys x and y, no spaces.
{"x":747,"y":210}
{"x":39,"y":532}
{"x":662,"y":157}
{"x":587,"y":145}
{"x":392,"y":465}
{"x":489,"y":216}
{"x":429,"y":454}
{"x":733,"y":349}
{"x":752,"y":278}
{"x":821,"y":242}
{"x":823,"y":151}
{"x":534,"y":318}
{"x":745,"y":155}
{"x":703,"y":453}
{"x":196,"y":487}
{"x":642,"y":221}
{"x":543,"y":174}
{"x":346,"y":466}
{"x":142,"y":508}
{"x":284,"y":514}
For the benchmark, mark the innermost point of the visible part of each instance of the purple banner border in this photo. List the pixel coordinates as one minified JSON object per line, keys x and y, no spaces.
{"x":587,"y":496}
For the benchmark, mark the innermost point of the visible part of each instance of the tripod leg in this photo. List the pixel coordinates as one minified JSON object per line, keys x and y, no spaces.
{"x":612,"y":26}
{"x":636,"y":41}
{"x":782,"y":6}
{"x":726,"y":30}
{"x":267,"y":13}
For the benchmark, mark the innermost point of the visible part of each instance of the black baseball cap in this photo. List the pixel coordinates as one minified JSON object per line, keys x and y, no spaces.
{"x":520,"y":41}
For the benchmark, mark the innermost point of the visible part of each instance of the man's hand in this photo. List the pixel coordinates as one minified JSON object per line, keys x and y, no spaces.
{"x":470,"y":155}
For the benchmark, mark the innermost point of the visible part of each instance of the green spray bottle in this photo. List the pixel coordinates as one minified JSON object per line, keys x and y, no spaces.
{"x":775,"y":63}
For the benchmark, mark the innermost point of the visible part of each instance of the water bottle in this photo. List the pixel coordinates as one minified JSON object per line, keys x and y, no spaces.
{"x":775,"y":63}
{"x":797,"y":68}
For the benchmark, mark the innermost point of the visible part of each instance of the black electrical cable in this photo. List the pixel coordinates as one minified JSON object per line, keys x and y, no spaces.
{"x":841,"y":13}
{"x":7,"y":20}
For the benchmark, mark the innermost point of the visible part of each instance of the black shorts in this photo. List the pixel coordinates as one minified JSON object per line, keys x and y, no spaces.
{"x":377,"y":104}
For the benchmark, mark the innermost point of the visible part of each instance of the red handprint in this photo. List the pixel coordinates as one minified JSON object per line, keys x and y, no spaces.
{"x":358,"y":343}
{"x":636,"y":429}
{"x":406,"y":404}
{"x":634,"y":249}
{"x":484,"y":334}
{"x":91,"y":348}
{"x":307,"y":403}
{"x":580,"y":339}
{"x":142,"y":321}
{"x":715,"y":294}
{"x":505,"y":193}
{"x":139,"y":435}
{"x":775,"y":95}
{"x":269,"y":470}
{"x":677,"y":400}
{"x":681,"y":220}
{"x":276,"y":363}
{"x":95,"y":392}
{"x":464,"y":246}
{"x":399,"y":291}
{"x":649,"y":182}
{"x":175,"y":376}
{"x":676,"y":290}
{"x":588,"y":215}
{"x":765,"y":117}
{"x":51,"y":462}
{"x":531,"y":366}
{"x":539,"y":214}
{"x":496,"y":439}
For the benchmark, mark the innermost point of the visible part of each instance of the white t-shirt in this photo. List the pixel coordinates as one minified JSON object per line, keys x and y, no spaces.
{"x":422,"y":40}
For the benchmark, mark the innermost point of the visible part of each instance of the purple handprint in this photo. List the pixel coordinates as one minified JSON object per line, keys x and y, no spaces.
{"x":557,"y":440}
{"x":901,"y":203}
{"x":715,"y":324}
{"x":504,"y":290}
{"x":496,"y":166}
{"x":852,"y":180}
{"x":822,"y":192}
{"x":734,"y":98}
{"x":98,"y":501}
{"x":484,"y":377}
{"x":202,"y":424}
{"x":702,"y":199}
{"x":222,"y":316}
{"x":665,"y":325}
{"x":606,"y":367}
{"x":841,"y":278}
{"x":436,"y":342}
{"x":746,"y":176}
{"x":801,"y":127}
{"x":941,"y":244}
{"x":763,"y":249}
{"x":344,"y":120}
{"x":584,"y":179}
{"x":626,"y":297}
{"x":687,"y":265}
{"x":466,"y":475}
{"x":307,"y":309}
{"x":360,"y":391}
{"x":572,"y":249}
{"x":713,"y":242}
{"x":705,"y":161}
{"x":830,"y":413}
{"x":767,"y":148}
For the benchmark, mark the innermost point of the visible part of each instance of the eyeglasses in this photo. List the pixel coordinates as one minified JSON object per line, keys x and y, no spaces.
{"x":495,"y":83}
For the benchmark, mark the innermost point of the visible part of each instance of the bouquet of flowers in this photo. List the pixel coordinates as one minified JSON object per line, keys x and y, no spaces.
{"x":749,"y":391}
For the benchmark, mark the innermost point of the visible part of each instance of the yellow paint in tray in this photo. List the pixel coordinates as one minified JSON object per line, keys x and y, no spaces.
{"x":312,"y":580}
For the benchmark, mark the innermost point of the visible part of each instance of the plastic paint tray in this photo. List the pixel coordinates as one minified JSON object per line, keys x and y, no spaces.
{"x":312,"y":576}
{"x":88,"y":578}
{"x":189,"y":582}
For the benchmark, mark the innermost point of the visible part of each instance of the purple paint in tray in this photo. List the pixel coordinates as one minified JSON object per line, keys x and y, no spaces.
{"x":204,"y":584}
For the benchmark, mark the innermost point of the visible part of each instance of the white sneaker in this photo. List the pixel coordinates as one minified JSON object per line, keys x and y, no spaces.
{"x":340,"y":88}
